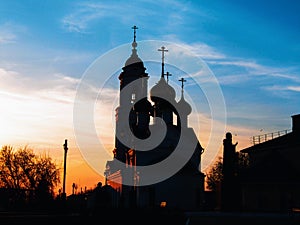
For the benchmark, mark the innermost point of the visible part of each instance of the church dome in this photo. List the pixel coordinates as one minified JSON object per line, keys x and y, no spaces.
{"x":162,"y":90}
{"x":183,"y":106}
{"x":134,"y":66}
{"x":134,"y":56}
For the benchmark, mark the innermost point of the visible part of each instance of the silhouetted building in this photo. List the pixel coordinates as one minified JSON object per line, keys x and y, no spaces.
{"x":272,"y":181}
{"x":185,"y":188}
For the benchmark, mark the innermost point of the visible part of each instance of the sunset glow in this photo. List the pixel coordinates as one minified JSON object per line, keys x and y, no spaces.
{"x":47,"y":46}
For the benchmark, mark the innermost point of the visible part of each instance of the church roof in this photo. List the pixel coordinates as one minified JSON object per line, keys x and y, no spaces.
{"x":183,"y":106}
{"x":162,"y":90}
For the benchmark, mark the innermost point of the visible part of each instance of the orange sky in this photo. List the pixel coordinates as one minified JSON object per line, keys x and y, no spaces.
{"x":79,"y":170}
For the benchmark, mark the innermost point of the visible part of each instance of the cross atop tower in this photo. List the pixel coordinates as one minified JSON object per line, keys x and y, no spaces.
{"x":134,"y":32}
{"x":163,"y":50}
{"x":168,"y":75}
{"x":182,"y":80}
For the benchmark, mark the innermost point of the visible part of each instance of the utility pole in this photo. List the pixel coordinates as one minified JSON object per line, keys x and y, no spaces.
{"x":65,"y":145}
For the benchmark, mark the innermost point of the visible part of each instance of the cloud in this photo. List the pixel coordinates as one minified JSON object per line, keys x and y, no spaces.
{"x":255,"y":69}
{"x":11,"y":80}
{"x":7,"y":37}
{"x":198,"y":49}
{"x":88,"y":12}
{"x":9,"y":32}
{"x":78,"y":21}
{"x":294,"y":88}
{"x":227,"y":69}
{"x":41,"y":112}
{"x":57,"y":87}
{"x":283,"y":88}
{"x":233,"y":79}
{"x":33,"y":119}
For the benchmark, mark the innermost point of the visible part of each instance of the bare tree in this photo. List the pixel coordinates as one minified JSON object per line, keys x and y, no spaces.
{"x":22,"y":169}
{"x":215,"y":175}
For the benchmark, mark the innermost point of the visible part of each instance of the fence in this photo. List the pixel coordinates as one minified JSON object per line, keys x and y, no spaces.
{"x":269,"y":136}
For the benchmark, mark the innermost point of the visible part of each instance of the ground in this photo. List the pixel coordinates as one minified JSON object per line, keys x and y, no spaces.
{"x":153,"y":217}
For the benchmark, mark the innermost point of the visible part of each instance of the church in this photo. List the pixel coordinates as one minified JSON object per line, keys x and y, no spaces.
{"x":136,"y":172}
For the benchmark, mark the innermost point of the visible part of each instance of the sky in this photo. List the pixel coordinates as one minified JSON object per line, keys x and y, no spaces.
{"x":252,"y":49}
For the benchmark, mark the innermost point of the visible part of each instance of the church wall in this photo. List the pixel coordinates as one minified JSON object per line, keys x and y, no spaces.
{"x":183,"y":191}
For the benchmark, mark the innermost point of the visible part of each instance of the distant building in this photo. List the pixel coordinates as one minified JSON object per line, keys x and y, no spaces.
{"x":183,"y":190}
{"x":272,"y":181}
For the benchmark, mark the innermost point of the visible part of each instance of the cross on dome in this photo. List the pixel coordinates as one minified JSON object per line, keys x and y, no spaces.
{"x":168,"y":75}
{"x":134,"y":32}
{"x":134,"y":44}
{"x":182,"y":80}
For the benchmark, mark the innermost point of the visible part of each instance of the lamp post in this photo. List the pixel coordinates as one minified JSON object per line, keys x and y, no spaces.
{"x":65,"y":145}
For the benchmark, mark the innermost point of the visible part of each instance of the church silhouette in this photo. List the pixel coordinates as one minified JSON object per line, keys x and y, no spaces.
{"x":125,"y":172}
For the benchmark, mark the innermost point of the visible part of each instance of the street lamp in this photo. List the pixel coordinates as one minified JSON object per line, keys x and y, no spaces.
{"x":65,"y":145}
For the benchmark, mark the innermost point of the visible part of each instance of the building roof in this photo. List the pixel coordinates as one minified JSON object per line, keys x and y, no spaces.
{"x":289,"y":140}
{"x":285,"y":141}
{"x":276,"y":159}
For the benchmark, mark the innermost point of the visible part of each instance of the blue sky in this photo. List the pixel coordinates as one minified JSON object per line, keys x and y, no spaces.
{"x":252,"y":47}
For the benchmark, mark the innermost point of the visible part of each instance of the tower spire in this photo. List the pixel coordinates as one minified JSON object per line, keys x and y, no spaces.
{"x":163,"y":50}
{"x":134,"y":57}
{"x":134,"y":44}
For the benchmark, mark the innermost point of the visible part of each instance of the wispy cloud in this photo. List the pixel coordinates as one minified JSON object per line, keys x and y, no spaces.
{"x":283,"y":88}
{"x":9,"y":32}
{"x":254,"y":68}
{"x":198,"y":49}
{"x":16,"y":83}
{"x":229,"y":69}
{"x":233,"y":79}
{"x":88,"y":12}
{"x":44,"y":109}
{"x":7,"y":37}
{"x":57,"y":87}
{"x":294,"y":88}
{"x":79,"y":20}
{"x":30,"y":111}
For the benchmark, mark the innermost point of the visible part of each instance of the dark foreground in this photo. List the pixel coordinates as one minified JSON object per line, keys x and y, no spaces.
{"x":153,"y":217}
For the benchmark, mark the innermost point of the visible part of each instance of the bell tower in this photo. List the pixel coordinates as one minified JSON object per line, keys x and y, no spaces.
{"x":134,"y":79}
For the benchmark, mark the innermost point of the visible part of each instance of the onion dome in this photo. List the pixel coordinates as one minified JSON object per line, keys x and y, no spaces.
{"x":183,"y":106}
{"x":134,"y":56}
{"x":162,"y":90}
